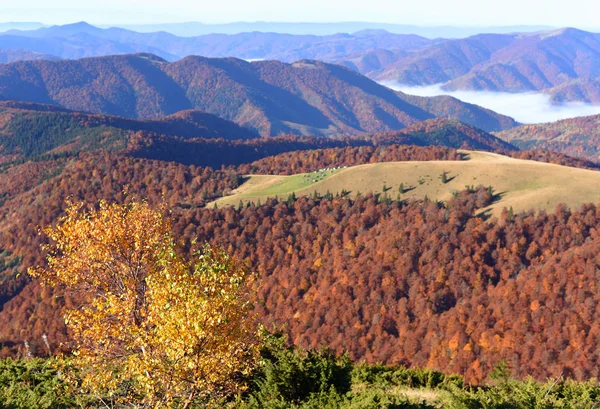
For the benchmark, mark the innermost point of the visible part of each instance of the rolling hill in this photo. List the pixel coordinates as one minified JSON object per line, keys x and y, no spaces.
{"x":520,"y":184}
{"x":33,"y":131}
{"x":28,"y":130}
{"x":443,"y":132}
{"x":269,"y":97}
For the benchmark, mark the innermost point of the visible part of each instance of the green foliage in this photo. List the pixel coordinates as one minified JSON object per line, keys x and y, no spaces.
{"x":528,"y":394}
{"x":501,"y":373}
{"x":378,"y":399}
{"x":292,"y":376}
{"x":367,"y":399}
{"x":33,"y":384}
{"x":378,"y":374}
{"x":34,"y":135}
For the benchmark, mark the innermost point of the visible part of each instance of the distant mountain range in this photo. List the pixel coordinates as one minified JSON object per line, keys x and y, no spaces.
{"x":268,"y":97}
{"x":193,"y":29}
{"x":546,"y":61}
{"x":196,"y":29}
{"x":8,"y":56}
{"x":20,"y":26}
{"x":84,"y":40}
{"x":565,"y":62}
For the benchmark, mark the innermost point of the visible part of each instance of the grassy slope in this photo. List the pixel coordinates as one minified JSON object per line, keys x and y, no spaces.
{"x":522,"y":185}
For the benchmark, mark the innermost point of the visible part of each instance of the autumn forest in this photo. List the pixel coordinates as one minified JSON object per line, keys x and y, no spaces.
{"x":195,"y":232}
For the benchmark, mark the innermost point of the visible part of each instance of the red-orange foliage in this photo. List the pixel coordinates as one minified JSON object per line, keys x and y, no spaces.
{"x":417,"y":283}
{"x":578,"y":137}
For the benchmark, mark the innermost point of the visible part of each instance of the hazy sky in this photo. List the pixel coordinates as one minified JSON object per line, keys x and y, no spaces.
{"x":579,"y":13}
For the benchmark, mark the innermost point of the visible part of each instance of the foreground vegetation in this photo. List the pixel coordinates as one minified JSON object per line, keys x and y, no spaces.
{"x":289,"y":377}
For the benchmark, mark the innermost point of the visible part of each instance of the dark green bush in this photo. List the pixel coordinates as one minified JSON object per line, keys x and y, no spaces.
{"x":378,"y":374}
{"x":32,"y":383}
{"x":529,"y":394}
{"x":292,"y":378}
{"x":292,"y":375}
{"x":378,"y":399}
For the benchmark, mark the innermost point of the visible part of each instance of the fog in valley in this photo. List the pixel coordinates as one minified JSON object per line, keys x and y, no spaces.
{"x":524,"y":107}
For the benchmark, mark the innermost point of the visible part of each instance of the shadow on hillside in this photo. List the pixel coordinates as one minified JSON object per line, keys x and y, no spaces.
{"x":450,"y":179}
{"x":497,"y":196}
{"x":487,"y":213}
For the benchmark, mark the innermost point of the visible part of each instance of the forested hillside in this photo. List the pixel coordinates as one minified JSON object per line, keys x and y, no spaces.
{"x":260,"y":217}
{"x":444,"y":132}
{"x":366,"y":275}
{"x":578,"y":137}
{"x":268,"y":97}
{"x":29,"y":130}
{"x":386,"y":277}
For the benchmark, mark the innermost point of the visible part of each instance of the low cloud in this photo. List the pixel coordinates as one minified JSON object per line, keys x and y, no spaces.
{"x":527,"y":108}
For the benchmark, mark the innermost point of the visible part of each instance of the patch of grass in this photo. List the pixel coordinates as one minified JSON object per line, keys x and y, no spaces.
{"x":521,"y":184}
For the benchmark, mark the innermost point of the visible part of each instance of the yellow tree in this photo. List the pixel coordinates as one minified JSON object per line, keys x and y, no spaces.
{"x":153,"y":327}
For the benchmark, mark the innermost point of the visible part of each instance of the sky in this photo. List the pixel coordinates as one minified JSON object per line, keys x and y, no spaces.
{"x":559,"y":13}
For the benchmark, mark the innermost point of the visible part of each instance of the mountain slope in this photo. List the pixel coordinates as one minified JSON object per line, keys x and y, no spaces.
{"x":445,"y":61}
{"x":28,"y":130}
{"x":537,"y":62}
{"x":509,"y":63}
{"x":580,"y":89}
{"x":578,"y":137}
{"x":445,"y":106}
{"x":444,"y":132}
{"x":306,"y":98}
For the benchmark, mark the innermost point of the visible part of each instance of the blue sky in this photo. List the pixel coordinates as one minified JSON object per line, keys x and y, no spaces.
{"x":577,"y":13}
